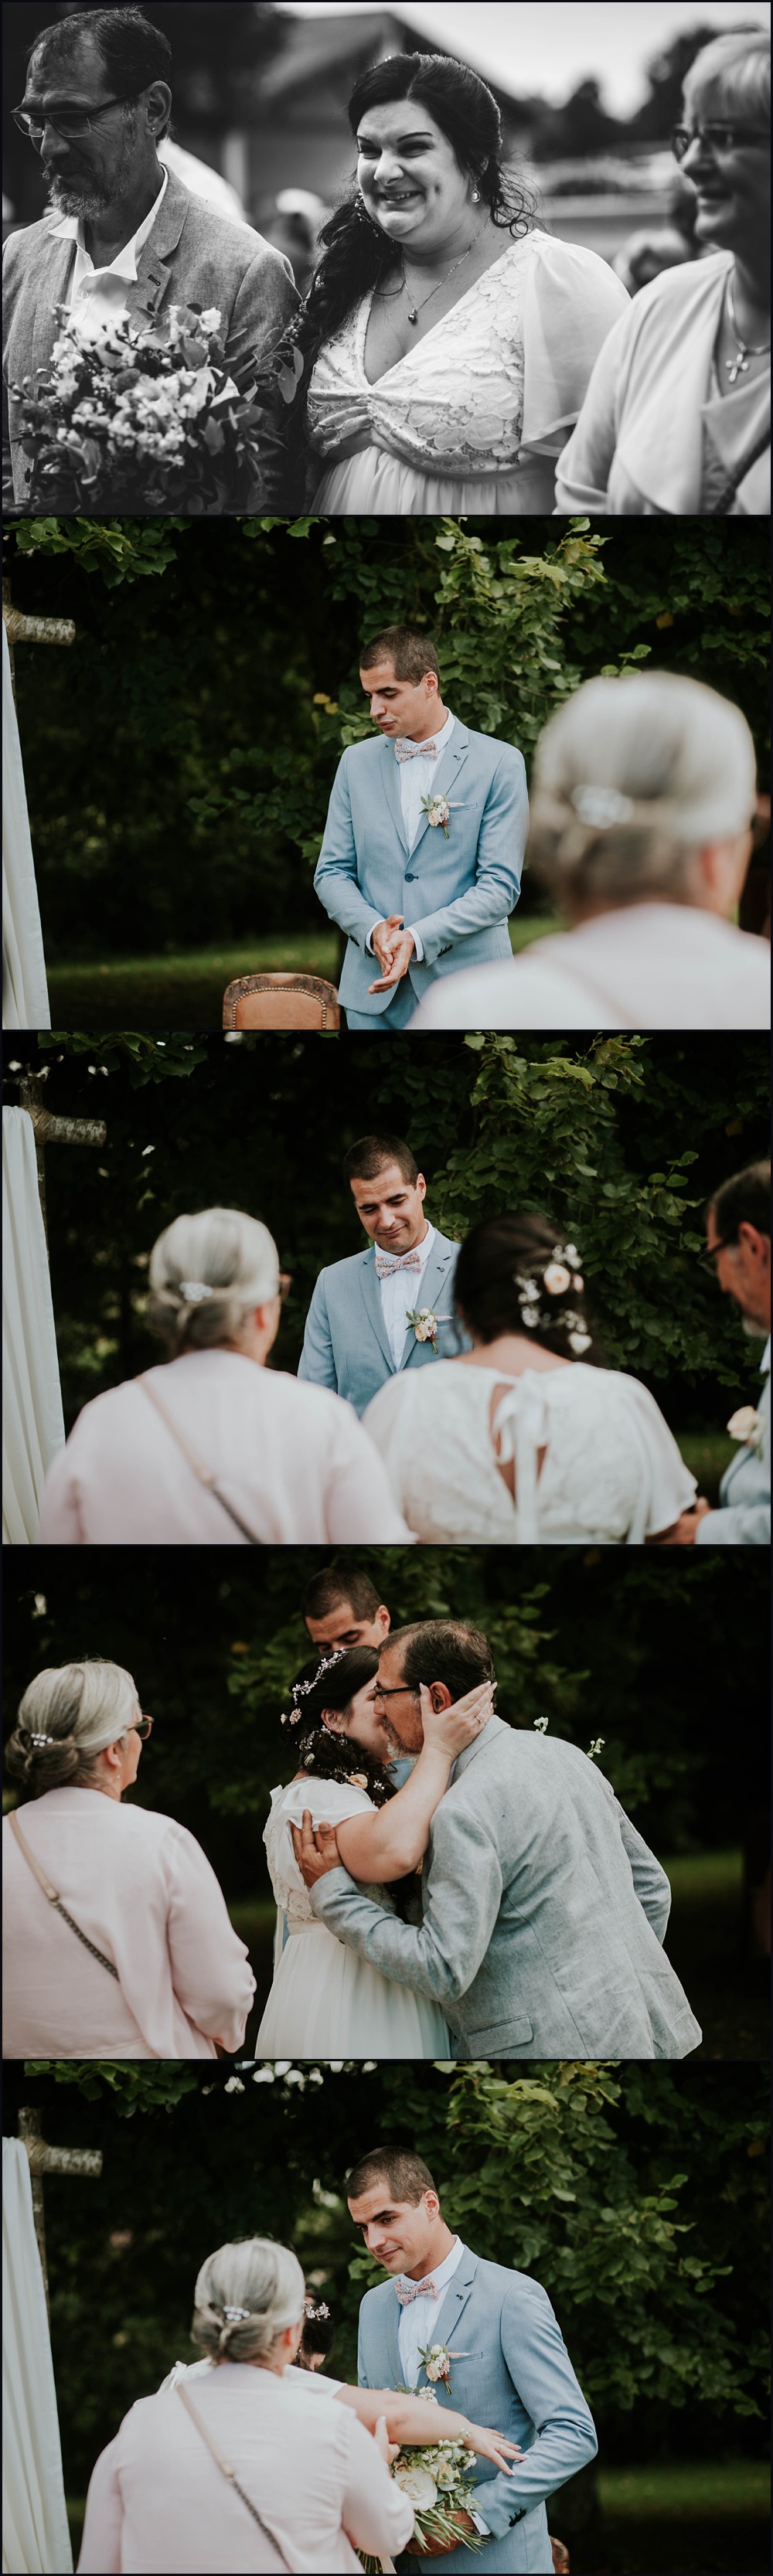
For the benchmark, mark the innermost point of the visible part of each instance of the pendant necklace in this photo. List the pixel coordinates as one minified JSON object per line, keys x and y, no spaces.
{"x":739,"y":365}
{"x":413,"y":309}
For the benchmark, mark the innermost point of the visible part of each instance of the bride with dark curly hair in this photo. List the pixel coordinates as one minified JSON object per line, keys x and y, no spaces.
{"x":446,"y":344}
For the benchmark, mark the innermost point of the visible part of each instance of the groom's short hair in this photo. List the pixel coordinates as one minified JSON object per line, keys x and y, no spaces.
{"x":410,"y":653}
{"x":335,"y":1584}
{"x":443,"y":1650}
{"x":405,"y":2174}
{"x":371,"y":1155}
{"x":743,"y":1200}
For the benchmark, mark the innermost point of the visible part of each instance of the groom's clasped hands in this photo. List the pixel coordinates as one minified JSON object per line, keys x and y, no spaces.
{"x":394,"y":947}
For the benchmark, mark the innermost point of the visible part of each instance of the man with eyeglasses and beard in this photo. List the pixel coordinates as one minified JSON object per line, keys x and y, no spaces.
{"x":123,"y":239}
{"x":738,"y":1253}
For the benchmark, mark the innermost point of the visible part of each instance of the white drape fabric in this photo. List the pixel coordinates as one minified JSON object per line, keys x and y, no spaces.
{"x":35,"y":2532}
{"x":25,"y":991}
{"x":33,"y":1422}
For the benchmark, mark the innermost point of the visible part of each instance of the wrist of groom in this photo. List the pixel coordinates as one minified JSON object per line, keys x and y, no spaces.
{"x":336,"y":1882}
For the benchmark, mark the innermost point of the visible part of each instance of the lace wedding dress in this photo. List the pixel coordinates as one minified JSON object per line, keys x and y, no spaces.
{"x":611,"y":1471}
{"x":474,"y":417}
{"x":325,"y":2000}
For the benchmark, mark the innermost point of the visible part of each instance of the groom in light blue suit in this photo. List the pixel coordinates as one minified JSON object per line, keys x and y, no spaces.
{"x":357,"y":1330}
{"x":509,"y":2366}
{"x":419,"y":894}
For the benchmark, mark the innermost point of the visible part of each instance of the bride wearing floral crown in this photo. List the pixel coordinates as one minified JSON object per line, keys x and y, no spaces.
{"x":527,"y":1437}
{"x":325,"y":2001}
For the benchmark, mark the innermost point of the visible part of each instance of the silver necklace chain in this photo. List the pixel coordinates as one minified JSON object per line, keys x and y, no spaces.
{"x":413,"y":309}
{"x":739,"y":365}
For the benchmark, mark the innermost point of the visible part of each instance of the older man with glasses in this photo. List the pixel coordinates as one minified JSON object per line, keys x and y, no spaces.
{"x":738,"y":1255}
{"x":676,"y":418}
{"x":123,"y":239}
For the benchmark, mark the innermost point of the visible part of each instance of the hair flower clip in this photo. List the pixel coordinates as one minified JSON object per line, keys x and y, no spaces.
{"x":601,"y":807}
{"x":195,"y":1291}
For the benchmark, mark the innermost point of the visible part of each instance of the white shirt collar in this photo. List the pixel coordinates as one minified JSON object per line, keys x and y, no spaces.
{"x":765,"y":1360}
{"x":125,"y":262}
{"x":423,"y":1248}
{"x":442,"y":2273}
{"x":441,"y":739}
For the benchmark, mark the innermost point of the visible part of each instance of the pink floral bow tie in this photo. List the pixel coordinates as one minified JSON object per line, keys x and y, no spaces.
{"x":386,"y":1263}
{"x":415,"y":750}
{"x":408,"y":2290}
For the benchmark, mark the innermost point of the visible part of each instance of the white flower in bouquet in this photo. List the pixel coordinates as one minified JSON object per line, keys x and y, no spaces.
{"x":142,"y":419}
{"x":417,"y":2485}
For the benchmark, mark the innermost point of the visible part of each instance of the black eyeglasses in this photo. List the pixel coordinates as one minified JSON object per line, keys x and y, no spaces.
{"x":720,"y":138}
{"x":397,"y":1693}
{"x":707,"y":1259}
{"x":69,"y":122}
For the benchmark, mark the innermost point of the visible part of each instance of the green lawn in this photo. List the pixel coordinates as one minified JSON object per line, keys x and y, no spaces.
{"x":676,"y":2488}
{"x":185,"y":990}
{"x":707,"y":1454}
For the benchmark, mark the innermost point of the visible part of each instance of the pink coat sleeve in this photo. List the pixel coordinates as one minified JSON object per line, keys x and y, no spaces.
{"x":211,"y":1974}
{"x":101,"y":2545}
{"x":60,"y":1516}
{"x":359,"y":1505}
{"x":375,"y":2515}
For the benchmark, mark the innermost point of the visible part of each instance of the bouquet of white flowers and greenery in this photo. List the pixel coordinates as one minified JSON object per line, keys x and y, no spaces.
{"x":438,"y":2481}
{"x":139,"y":421}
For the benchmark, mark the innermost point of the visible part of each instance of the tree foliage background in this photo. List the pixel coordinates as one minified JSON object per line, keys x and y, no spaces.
{"x":664,"y":1657}
{"x":179,"y":756}
{"x":636,"y":2195}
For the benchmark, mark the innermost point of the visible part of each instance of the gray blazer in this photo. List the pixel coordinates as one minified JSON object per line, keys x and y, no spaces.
{"x":544,"y":1913}
{"x":192,"y":256}
{"x":346,"y":1344}
{"x":514,"y":2373}
{"x":458,"y":889}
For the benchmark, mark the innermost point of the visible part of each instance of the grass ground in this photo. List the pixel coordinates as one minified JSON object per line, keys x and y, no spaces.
{"x":728,"y":1995}
{"x":707,"y":1454}
{"x":185,"y":991}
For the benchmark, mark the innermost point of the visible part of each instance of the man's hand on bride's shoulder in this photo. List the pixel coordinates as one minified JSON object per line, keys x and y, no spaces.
{"x":315,"y":1852}
{"x":449,"y":1730}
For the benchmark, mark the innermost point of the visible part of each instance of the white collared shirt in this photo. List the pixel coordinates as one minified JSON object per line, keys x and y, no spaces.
{"x":418,"y":2322}
{"x":401,"y":1291}
{"x":416,"y":778}
{"x":97,"y":296}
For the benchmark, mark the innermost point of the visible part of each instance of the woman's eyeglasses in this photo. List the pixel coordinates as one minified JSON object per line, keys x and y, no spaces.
{"x":141,"y":1726}
{"x":720,"y":138}
{"x":285,"y":1284}
{"x":71,"y":123}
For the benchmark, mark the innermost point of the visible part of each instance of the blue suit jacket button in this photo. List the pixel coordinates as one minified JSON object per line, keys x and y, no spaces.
{"x":409,"y":880}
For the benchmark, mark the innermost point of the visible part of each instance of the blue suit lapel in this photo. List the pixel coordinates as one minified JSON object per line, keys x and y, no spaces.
{"x":392,"y":791}
{"x":458,"y":2293}
{"x":434,"y":1291}
{"x":394,"y":2364}
{"x":447,"y":775}
{"x":374,"y":1309}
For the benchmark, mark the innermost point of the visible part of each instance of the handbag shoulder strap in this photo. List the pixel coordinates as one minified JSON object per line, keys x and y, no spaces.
{"x":54,"y":1898}
{"x":228,"y":2471}
{"x":205,"y":1475}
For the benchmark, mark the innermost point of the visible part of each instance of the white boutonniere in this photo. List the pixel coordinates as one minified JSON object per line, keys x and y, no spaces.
{"x":436,"y":2359}
{"x":748,"y":1426}
{"x":437,"y":810}
{"x":426,"y":1325}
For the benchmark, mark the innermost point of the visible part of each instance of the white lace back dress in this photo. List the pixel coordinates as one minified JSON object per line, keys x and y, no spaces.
{"x":611,"y":1473}
{"x":325,"y":2000}
{"x":474,"y":416}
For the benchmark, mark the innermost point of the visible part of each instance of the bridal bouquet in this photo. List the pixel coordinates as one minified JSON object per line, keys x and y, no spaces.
{"x":438,"y":2481}
{"x":138,"y":420}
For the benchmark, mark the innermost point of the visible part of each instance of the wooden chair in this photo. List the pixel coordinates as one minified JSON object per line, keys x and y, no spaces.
{"x":281,"y":1002}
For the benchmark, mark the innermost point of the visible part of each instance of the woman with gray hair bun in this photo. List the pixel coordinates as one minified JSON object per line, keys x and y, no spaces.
{"x":644,"y":793}
{"x":244,"y":2464}
{"x":676,"y":417}
{"x":216,"y":1446}
{"x":116,"y":1939}
{"x":205,"y":2474}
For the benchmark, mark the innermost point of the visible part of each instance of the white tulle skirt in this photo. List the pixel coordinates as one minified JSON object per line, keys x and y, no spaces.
{"x":377,"y":485}
{"x":325,"y":2001}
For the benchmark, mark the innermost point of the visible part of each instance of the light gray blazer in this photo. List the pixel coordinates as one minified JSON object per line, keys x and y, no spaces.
{"x":514,"y":2373}
{"x":743,"y":1518}
{"x":192,"y":256}
{"x":458,"y":891}
{"x":346,"y":1344}
{"x":544,"y":1913}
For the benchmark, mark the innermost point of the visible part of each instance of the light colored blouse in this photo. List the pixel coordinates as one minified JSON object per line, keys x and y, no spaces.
{"x":654,"y":434}
{"x":611,"y":1472}
{"x":290,"y":1457}
{"x":157,"y":2498}
{"x":138,"y":1885}
{"x":497,"y":382}
{"x":643,"y":966}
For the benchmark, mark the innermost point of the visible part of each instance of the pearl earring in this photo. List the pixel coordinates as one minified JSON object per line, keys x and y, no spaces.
{"x":476,"y":196}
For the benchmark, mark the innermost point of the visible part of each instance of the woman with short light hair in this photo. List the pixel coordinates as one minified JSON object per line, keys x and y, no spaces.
{"x":644,"y":793}
{"x":116,"y":1939}
{"x":216,"y":1446}
{"x":677,"y":413}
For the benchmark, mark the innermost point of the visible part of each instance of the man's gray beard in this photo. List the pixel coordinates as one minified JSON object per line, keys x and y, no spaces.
{"x":85,"y":200}
{"x":754,"y":1332}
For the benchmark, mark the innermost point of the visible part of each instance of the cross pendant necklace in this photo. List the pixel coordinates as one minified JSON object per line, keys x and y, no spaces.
{"x":739,"y":365}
